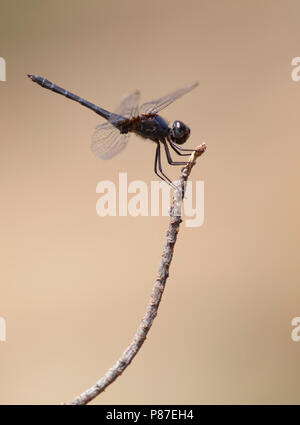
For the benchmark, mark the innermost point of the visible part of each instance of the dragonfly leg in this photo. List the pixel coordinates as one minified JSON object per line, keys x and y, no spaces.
{"x":170,"y":161}
{"x":178,"y":152}
{"x":179,"y":149}
{"x":158,"y":162}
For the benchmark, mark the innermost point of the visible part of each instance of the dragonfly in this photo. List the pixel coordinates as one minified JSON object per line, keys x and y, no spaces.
{"x":111,"y":137}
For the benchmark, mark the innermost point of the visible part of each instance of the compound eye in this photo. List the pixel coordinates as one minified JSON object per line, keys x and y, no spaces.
{"x":180,"y":132}
{"x":178,"y":127}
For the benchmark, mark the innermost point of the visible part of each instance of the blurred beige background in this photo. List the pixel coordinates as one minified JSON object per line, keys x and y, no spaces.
{"x":73,"y":285}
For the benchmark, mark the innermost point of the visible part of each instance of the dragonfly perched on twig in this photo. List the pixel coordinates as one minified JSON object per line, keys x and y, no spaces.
{"x":112,"y":137}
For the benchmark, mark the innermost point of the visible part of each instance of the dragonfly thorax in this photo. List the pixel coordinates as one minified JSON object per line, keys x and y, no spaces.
{"x":151,"y":127}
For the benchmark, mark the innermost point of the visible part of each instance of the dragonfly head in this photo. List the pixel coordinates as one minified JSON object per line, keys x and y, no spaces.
{"x":179,"y":132}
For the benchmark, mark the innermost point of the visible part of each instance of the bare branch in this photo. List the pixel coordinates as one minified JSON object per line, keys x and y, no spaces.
{"x":157,"y":291}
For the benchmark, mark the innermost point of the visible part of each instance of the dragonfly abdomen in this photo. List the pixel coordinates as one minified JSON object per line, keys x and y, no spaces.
{"x":43,"y":82}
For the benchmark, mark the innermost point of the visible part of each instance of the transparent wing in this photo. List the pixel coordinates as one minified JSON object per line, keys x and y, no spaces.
{"x":128,"y":107}
{"x":157,"y":105}
{"x":107,"y":141}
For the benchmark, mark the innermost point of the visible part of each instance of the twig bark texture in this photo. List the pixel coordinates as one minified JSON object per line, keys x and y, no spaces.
{"x":163,"y":272}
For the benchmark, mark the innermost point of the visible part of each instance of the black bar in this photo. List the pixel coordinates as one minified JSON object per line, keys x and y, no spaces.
{"x":147,"y":414}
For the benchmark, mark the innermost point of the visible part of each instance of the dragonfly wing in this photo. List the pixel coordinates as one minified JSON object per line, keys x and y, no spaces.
{"x":128,"y":107}
{"x":107,"y":141}
{"x":157,"y":105}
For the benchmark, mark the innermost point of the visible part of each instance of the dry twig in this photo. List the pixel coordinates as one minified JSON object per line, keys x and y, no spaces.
{"x":157,"y":291}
